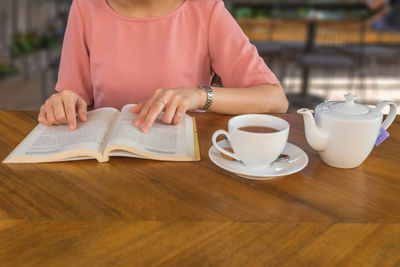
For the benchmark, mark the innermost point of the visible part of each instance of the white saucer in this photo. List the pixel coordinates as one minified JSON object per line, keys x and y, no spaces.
{"x":298,"y":159}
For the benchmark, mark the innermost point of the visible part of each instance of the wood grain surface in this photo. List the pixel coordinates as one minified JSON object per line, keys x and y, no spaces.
{"x":137,"y":212}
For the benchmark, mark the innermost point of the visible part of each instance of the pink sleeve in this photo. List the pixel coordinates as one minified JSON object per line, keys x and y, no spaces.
{"x":232,"y":55}
{"x":74,"y":73}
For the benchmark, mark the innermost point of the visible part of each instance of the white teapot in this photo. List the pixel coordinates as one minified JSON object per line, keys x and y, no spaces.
{"x":345,"y":132}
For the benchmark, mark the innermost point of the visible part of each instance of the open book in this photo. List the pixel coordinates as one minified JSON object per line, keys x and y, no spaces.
{"x":109,"y":132}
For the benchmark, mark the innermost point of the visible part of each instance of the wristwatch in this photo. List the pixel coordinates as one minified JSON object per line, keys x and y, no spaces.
{"x":210,"y":96}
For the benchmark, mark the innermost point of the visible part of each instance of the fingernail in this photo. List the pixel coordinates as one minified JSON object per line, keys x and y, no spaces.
{"x":137,"y":123}
{"x":145,"y":129}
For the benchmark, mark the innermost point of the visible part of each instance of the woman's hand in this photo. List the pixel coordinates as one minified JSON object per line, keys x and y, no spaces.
{"x":61,"y":108}
{"x":175,"y":102}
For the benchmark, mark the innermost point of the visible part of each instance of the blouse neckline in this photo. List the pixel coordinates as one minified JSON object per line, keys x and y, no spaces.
{"x":114,"y":13}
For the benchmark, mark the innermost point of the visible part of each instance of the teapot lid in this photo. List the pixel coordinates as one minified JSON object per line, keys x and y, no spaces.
{"x":349,"y":107}
{"x":347,"y":110}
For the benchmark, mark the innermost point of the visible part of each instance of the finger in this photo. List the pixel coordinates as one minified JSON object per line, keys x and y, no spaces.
{"x":59,"y":112}
{"x":69,"y":107}
{"x":50,"y":113}
{"x":145,"y":110}
{"x":42,"y":116}
{"x":170,"y":110}
{"x":143,"y":113}
{"x":152,"y":115}
{"x":180,"y":112}
{"x":81,"y":106}
{"x":148,"y":105}
{"x":136,"y":109}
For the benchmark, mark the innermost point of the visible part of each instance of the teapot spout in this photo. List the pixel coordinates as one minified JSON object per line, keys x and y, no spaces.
{"x":316,"y":137}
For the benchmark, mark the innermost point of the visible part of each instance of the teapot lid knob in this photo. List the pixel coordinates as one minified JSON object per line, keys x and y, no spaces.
{"x":348,"y":107}
{"x":350,"y":98}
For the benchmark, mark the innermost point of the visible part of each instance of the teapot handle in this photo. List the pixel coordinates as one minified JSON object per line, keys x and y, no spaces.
{"x":392,"y":113}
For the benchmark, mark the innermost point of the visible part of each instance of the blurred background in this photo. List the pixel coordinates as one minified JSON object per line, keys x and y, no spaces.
{"x":319,"y":49}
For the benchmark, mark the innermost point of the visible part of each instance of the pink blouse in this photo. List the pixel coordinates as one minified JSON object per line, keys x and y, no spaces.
{"x":111,"y":60}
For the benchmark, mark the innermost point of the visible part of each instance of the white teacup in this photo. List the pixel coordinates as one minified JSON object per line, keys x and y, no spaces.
{"x":254,"y":150}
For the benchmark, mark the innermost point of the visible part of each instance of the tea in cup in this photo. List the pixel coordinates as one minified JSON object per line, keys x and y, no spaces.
{"x":257,"y":140}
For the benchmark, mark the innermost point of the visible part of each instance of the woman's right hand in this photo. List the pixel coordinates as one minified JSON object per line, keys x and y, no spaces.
{"x":61,"y":108}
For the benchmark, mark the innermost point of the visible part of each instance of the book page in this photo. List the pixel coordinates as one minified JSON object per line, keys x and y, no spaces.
{"x":52,"y":140}
{"x":163,"y":139}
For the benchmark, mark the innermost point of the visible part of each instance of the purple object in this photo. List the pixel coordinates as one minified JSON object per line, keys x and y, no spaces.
{"x":383,"y":135}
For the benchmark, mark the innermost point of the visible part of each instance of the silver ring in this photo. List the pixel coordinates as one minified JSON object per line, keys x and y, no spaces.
{"x":180,"y":115}
{"x":162,"y":101}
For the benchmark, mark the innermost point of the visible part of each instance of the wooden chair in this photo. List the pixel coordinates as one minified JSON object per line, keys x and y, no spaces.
{"x":329,"y":54}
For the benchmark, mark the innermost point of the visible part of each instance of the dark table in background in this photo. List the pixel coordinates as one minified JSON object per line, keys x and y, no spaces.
{"x":143,"y":212}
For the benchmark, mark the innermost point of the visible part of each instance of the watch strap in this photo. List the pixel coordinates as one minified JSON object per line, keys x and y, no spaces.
{"x":210,"y":96}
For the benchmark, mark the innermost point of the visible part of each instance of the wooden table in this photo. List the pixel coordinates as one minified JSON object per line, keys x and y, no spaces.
{"x":142,"y":212}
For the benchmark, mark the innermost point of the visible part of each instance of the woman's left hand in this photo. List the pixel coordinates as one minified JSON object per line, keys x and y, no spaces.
{"x":175,"y":102}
